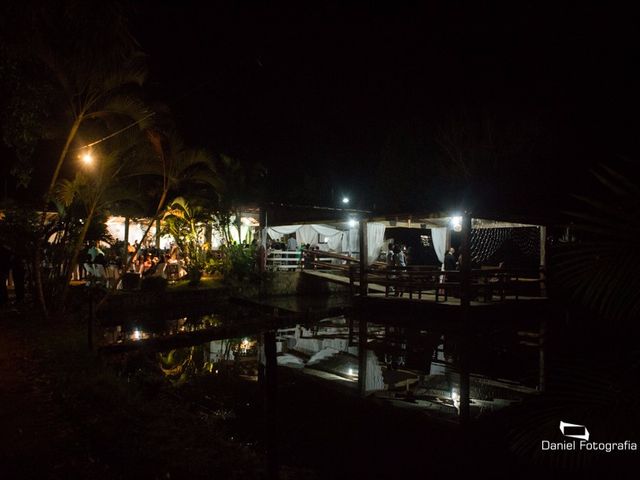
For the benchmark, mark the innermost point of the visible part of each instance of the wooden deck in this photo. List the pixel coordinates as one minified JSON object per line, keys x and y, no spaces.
{"x":378,"y":291}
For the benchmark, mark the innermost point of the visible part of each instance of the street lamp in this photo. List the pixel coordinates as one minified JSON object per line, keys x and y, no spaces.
{"x":345,"y":200}
{"x":87,"y":158}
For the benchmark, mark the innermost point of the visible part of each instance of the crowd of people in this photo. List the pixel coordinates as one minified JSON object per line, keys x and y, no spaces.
{"x":109,"y":268}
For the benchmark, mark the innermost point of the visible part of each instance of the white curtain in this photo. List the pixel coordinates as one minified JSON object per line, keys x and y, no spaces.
{"x":307,"y":234}
{"x":335,"y":242}
{"x":336,"y":239}
{"x":373,"y":378}
{"x":278,"y":232}
{"x":325,"y":230}
{"x":333,"y":237}
{"x":375,"y":240}
{"x":439,"y":238}
{"x":353,"y":240}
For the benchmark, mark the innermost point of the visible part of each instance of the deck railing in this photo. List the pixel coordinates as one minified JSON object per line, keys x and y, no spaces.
{"x":294,"y":260}
{"x":487,"y":285}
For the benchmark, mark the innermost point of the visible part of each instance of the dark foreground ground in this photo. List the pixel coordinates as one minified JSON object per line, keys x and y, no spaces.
{"x":65,"y":413}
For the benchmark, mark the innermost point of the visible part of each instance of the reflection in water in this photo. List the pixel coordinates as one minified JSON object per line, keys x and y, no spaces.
{"x":134,"y":331}
{"x":403,"y":365}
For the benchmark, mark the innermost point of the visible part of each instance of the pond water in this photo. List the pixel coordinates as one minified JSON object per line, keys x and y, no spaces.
{"x":212,"y":362}
{"x":407,"y":367}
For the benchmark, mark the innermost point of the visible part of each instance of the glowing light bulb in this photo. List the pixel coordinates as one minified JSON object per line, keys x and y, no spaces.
{"x":87,"y":158}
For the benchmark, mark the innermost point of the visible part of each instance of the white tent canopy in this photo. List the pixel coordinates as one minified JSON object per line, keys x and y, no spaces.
{"x":336,"y":240}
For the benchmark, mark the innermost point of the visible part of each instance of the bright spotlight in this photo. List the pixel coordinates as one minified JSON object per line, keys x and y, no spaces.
{"x":345,"y":200}
{"x":353,"y":223}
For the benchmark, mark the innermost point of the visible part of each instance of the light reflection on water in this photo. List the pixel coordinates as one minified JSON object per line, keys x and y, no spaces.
{"x":137,"y":330}
{"x":403,"y":365}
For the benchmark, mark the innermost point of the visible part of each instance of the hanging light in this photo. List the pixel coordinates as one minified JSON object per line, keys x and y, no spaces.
{"x":87,"y":158}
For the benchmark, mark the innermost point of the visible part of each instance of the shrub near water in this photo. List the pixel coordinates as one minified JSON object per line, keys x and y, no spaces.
{"x":239,"y":264}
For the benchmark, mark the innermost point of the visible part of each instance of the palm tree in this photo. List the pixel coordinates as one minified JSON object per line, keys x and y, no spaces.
{"x":239,"y":182}
{"x":601,"y":269}
{"x":92,"y":65}
{"x":177,"y":167}
{"x":597,"y":385}
{"x":185,"y":223}
{"x":97,"y":189}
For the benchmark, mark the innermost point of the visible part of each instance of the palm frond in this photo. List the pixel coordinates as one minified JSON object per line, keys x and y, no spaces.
{"x":601,"y":270}
{"x":67,"y":191}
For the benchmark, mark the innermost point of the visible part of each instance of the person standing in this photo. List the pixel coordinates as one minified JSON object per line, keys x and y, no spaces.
{"x":401,"y":257}
{"x":390,"y":256}
{"x":450,"y":262}
{"x":292,"y":244}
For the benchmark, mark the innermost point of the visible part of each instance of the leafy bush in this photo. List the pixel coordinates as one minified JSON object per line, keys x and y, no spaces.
{"x":239,"y":264}
{"x":214,"y":265}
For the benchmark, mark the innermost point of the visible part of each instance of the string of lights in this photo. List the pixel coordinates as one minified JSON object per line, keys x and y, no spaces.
{"x":118,"y":132}
{"x":488,"y":244}
{"x":111,"y":135}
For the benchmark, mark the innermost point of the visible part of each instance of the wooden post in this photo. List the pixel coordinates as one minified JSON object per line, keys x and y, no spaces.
{"x":125,"y":251}
{"x":543,"y":260}
{"x":362,"y":356}
{"x":364,"y":260}
{"x":465,"y":265}
{"x":465,"y":312}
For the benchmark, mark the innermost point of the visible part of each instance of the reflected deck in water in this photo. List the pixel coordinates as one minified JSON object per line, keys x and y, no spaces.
{"x":413,"y":368}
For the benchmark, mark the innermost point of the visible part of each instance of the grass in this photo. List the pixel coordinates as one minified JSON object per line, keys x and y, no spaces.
{"x":206,"y":283}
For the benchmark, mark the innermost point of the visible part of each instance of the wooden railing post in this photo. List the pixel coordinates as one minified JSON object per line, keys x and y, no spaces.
{"x":465,"y":307}
{"x":363,"y":258}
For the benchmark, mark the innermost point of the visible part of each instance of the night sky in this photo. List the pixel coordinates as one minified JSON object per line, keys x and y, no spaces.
{"x":337,"y":100}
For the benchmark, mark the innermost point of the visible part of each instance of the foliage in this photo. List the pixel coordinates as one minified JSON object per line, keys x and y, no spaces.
{"x":214,"y":265}
{"x":239,"y":264}
{"x":239,"y":182}
{"x":183,"y":223}
{"x":600,"y":270}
